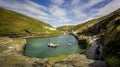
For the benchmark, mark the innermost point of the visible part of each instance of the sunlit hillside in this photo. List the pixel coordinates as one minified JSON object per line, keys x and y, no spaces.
{"x":12,"y":23}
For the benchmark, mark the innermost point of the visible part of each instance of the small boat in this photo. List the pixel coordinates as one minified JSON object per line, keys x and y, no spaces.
{"x":53,"y":45}
{"x":69,"y":44}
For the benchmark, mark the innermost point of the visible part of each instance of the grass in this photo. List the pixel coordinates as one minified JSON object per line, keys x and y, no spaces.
{"x":84,"y":26}
{"x":18,"y":41}
{"x":66,"y":28}
{"x":81,"y":28}
{"x":113,"y":61}
{"x":118,"y":28}
{"x":12,"y":23}
{"x":57,"y":58}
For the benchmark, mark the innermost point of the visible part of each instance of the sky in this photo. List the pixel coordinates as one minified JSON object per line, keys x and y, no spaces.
{"x":62,"y":12}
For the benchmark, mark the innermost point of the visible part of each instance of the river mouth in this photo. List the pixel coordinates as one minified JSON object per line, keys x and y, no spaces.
{"x":38,"y":47}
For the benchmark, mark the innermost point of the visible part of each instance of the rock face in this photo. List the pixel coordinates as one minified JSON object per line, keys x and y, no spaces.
{"x":11,"y":54}
{"x":95,"y":50}
{"x":79,"y":60}
{"x":91,"y":51}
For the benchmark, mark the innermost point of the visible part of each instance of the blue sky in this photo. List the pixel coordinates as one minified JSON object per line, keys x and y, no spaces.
{"x":62,"y":12}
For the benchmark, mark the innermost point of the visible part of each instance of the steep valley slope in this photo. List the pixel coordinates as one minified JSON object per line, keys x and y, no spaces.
{"x":16,"y":24}
{"x":107,"y":29}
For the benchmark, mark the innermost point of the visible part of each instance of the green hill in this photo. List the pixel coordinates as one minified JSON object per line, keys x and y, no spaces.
{"x":86,"y":25}
{"x":107,"y":29}
{"x":104,"y":24}
{"x":65,"y":28}
{"x":16,"y":24}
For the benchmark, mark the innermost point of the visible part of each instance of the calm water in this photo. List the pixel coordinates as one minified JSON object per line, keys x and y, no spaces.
{"x":38,"y":47}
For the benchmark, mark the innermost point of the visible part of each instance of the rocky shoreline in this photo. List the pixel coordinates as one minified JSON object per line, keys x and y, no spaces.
{"x":12,"y":55}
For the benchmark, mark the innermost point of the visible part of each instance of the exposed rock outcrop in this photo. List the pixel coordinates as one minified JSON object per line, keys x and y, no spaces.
{"x":11,"y":54}
{"x":79,"y":60}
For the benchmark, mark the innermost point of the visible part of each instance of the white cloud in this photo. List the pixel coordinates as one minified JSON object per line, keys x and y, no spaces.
{"x":110,"y":7}
{"x":91,"y":3}
{"x":33,"y":4}
{"x":57,"y":2}
{"x":79,"y":14}
{"x":34,"y":10}
{"x":65,"y":24}
{"x":75,"y":2}
{"x":7,"y":3}
{"x":64,"y":19}
{"x":78,"y":10}
{"x":28,"y":8}
{"x":57,"y":11}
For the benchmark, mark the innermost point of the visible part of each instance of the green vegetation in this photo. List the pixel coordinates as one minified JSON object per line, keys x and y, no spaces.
{"x":86,"y":25}
{"x":113,"y":61}
{"x":109,"y":32}
{"x":66,"y":28}
{"x":84,"y":44}
{"x":85,"y":28}
{"x":15,"y":24}
{"x":81,"y":27}
{"x":17,"y":41}
{"x":57,"y":58}
{"x":105,"y":24}
{"x":107,"y":28}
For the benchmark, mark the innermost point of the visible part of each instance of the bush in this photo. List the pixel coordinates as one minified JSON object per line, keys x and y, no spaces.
{"x":84,"y":44}
{"x":113,"y":61}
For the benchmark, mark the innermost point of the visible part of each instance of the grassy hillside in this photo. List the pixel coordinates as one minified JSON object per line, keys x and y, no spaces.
{"x":103,"y":25}
{"x":12,"y":23}
{"x":65,"y":28}
{"x":81,"y":27}
{"x":107,"y":28}
{"x":86,"y":25}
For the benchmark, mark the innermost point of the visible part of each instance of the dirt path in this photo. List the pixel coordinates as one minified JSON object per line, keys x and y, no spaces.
{"x":91,"y":51}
